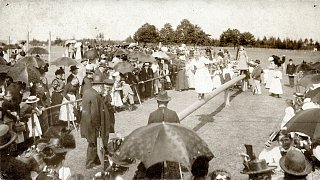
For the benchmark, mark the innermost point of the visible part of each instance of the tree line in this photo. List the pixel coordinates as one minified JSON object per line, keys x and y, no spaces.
{"x":192,"y":34}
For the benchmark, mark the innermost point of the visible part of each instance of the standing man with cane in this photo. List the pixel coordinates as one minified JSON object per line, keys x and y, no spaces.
{"x":95,"y":121}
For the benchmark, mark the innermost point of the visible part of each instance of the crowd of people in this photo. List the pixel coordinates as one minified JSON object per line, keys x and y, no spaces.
{"x":37,"y":116}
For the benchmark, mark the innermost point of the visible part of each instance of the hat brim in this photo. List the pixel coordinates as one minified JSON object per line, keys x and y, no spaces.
{"x":13,"y":138}
{"x":97,"y":83}
{"x":164,"y":100}
{"x":306,"y":171}
{"x":34,"y":101}
{"x":270,"y":168}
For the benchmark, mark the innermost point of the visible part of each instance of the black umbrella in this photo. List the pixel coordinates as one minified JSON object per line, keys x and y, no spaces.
{"x":91,"y":54}
{"x":304,"y":67}
{"x":37,"y":50}
{"x":307,"y":122}
{"x":29,"y":61}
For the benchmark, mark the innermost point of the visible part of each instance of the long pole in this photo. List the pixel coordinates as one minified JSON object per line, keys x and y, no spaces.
{"x":9,"y":50}
{"x":49,"y":47}
{"x":28,"y":40}
{"x":186,"y":112}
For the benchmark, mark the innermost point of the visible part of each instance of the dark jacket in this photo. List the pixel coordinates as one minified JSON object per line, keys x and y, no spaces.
{"x":94,"y":117}
{"x":256,"y":73}
{"x":163,"y":114}
{"x":291,"y":68}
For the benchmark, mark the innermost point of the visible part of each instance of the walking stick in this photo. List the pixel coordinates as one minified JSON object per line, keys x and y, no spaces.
{"x":135,"y":88}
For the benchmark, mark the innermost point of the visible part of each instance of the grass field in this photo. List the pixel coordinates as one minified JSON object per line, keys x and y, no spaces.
{"x":248,"y":120}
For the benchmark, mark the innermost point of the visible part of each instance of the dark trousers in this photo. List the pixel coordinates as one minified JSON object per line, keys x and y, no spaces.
{"x":291,"y":81}
{"x":92,"y":156}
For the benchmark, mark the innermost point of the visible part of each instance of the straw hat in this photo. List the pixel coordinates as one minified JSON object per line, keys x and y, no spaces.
{"x":32,"y":99}
{"x":295,"y":163}
{"x":6,"y":136}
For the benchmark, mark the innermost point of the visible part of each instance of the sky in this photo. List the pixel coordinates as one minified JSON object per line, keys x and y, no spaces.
{"x":118,"y":19}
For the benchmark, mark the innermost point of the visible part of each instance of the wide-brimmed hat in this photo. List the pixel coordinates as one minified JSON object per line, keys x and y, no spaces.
{"x":109,"y":82}
{"x":6,"y":136}
{"x":295,"y":163}
{"x":73,"y":68}
{"x":97,"y":80}
{"x":163,"y":96}
{"x":257,"y":167}
{"x":32,"y":99}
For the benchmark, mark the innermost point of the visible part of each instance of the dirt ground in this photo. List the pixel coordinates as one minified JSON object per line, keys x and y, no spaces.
{"x":249,"y":119}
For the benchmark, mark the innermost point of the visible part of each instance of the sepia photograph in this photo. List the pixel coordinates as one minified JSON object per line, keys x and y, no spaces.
{"x":159,"y":89}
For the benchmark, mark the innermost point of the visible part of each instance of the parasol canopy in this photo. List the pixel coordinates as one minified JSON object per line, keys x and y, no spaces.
{"x":147,"y":58}
{"x":123,"y":67}
{"x":304,"y":67}
{"x":160,"y":142}
{"x":4,"y":68}
{"x":64,"y":61}
{"x":30,"y":61}
{"x":70,"y":41}
{"x":91,"y":54}
{"x":37,"y":50}
{"x":309,"y":79}
{"x":314,"y":95}
{"x":136,"y":54}
{"x":120,"y":52}
{"x":161,"y":55}
{"x":306,"y":121}
{"x":22,"y":72}
{"x":2,"y":61}
{"x":11,"y":46}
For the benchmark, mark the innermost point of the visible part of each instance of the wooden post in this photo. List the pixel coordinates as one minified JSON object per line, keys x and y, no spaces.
{"x":49,"y":47}
{"x":227,"y":97}
{"x":28,"y":40}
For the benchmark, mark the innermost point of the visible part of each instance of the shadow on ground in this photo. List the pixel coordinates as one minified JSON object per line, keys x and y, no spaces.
{"x":207,"y":118}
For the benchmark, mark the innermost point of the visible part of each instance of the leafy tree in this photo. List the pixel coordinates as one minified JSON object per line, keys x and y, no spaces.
{"x":58,"y":41}
{"x":230,"y":36}
{"x":317,"y":45}
{"x":167,"y":34}
{"x":129,"y":40}
{"x":185,"y":32}
{"x":147,"y":34}
{"x":247,"y":38}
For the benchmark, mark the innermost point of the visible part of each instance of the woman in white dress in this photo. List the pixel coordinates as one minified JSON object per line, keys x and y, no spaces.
{"x":190,"y":69}
{"x":276,"y":86}
{"x":289,"y":113}
{"x":202,"y":79}
{"x":243,"y":67}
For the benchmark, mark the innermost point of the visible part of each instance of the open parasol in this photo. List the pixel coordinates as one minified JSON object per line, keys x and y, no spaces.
{"x":91,"y":54}
{"x":306,"y":121}
{"x":147,"y":58}
{"x":309,"y":79}
{"x":30,"y":61}
{"x":161,"y":55}
{"x":160,"y":142}
{"x":120,"y":52}
{"x":123,"y":67}
{"x":64,"y":61}
{"x":22,"y":72}
{"x":37,"y":50}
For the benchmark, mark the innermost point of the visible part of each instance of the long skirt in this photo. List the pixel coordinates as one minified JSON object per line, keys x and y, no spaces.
{"x":67,"y":111}
{"x":182,"y":81}
{"x":36,"y":128}
{"x":116,"y":99}
{"x":202,"y":81}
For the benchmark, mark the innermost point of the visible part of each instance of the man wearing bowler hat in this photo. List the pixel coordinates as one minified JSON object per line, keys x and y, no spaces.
{"x":163,"y":114}
{"x":95,"y":120}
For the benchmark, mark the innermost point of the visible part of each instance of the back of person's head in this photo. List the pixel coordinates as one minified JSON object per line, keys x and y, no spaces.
{"x":76,"y":177}
{"x":200,"y":167}
{"x":220,"y":174}
{"x":293,"y":177}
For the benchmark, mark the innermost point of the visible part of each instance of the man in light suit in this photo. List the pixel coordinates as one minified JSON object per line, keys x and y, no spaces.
{"x":163,"y":114}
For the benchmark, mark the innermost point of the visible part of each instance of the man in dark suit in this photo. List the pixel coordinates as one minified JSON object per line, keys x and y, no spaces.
{"x":163,"y":114}
{"x":291,"y":68}
{"x":146,"y":73}
{"x":95,"y":120}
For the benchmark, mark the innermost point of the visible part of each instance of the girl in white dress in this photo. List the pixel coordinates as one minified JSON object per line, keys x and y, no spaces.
{"x":202,"y":79}
{"x":276,"y":86}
